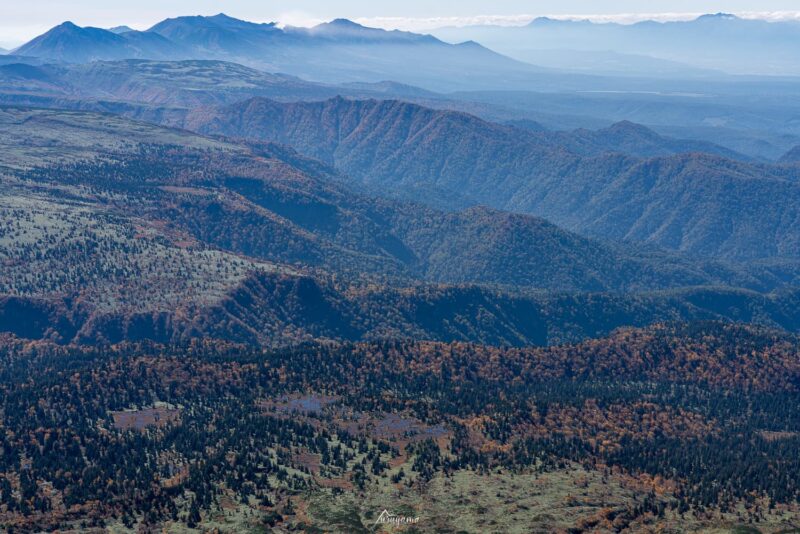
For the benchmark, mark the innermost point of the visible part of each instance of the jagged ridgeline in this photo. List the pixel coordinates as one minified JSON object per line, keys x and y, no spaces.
{"x":119,"y":230}
{"x":622,"y":183}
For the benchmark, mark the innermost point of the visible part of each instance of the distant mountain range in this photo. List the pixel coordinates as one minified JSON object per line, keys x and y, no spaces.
{"x":121,"y":29}
{"x":627,"y":137}
{"x":453,"y":160}
{"x":610,"y":63}
{"x":343,"y":52}
{"x":754,"y":117}
{"x":699,"y":203}
{"x":185,"y":84}
{"x":8,"y":59}
{"x":752,"y":125}
{"x":718,"y":41}
{"x":338,"y":51}
{"x":115,"y":85}
{"x":744,"y":117}
{"x":793,"y":156}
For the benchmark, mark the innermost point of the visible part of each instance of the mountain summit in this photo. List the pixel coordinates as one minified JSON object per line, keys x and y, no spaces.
{"x":340,"y":51}
{"x":71,"y":43}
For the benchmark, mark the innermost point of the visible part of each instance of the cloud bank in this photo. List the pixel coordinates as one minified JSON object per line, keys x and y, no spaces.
{"x":422,"y":24}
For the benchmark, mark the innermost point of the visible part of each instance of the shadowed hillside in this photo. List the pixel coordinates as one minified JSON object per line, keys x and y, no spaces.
{"x":112,"y":225}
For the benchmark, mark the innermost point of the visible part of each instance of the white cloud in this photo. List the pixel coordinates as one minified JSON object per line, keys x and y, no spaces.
{"x":298,"y":18}
{"x":420,"y":24}
{"x":430,"y":23}
{"x":772,"y":16}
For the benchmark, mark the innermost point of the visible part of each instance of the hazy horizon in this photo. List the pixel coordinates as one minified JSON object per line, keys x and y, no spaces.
{"x":20,"y":23}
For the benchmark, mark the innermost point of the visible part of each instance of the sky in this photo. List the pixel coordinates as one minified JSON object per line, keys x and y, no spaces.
{"x":23,"y":20}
